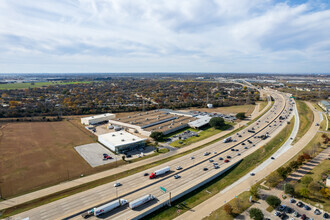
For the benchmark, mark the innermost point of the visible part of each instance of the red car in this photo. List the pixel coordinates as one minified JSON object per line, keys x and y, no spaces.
{"x":107,"y":158}
{"x":226,"y":161}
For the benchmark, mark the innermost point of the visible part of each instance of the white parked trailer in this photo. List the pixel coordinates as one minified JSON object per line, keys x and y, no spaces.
{"x":140,"y":201}
{"x":107,"y":207}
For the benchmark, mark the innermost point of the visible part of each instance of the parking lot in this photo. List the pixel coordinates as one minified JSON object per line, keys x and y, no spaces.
{"x":93,"y":154}
{"x":290,"y":208}
{"x":227,"y":117}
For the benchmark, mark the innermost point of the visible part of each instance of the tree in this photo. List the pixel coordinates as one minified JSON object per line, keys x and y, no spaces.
{"x":294,"y":164}
{"x":240,"y":115}
{"x":256,"y":214}
{"x":289,"y":189}
{"x":282,"y":171}
{"x":304,"y":192}
{"x":254,"y":190}
{"x":217,"y":122}
{"x":273,"y":201}
{"x":274,"y":178}
{"x":157,"y":136}
{"x":228,"y":209}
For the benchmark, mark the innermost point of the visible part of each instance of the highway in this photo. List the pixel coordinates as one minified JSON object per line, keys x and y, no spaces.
{"x":137,"y":185}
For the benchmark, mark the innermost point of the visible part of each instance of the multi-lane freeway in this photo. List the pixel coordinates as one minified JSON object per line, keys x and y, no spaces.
{"x":197,"y":167}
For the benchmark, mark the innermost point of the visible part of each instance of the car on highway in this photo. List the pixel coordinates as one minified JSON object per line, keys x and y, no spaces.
{"x":227,"y":161}
{"x":117,"y":184}
{"x":228,"y":157}
{"x":220,"y":158}
{"x":238,"y":154}
{"x":205,"y":168}
{"x":206,"y":153}
{"x":192,"y":158}
{"x":252,"y":174}
{"x":243,"y":143}
{"x":176,"y":176}
{"x":245,"y":147}
{"x":250,"y":142}
{"x":146,"y":174}
{"x":273,"y":158}
{"x":211,"y":160}
{"x":216,"y":167}
{"x":232,"y":149}
{"x":178,"y":168}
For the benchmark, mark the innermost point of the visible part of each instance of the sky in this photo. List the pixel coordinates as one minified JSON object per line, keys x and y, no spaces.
{"x":73,"y":36}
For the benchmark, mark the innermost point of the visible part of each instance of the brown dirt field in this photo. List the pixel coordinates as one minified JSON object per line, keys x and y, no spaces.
{"x":248,"y":109}
{"x":34,"y":155}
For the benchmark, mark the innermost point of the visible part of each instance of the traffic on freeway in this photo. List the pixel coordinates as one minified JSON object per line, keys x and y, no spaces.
{"x":185,"y":172}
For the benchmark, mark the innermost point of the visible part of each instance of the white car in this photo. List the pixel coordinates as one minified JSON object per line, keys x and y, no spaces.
{"x":117,"y":184}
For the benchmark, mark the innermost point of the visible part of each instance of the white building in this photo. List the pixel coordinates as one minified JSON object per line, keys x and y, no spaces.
{"x":121,"y":141}
{"x":200,"y":122}
{"x":91,"y":120}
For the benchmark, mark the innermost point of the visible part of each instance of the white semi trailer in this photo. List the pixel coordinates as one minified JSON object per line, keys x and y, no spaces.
{"x":106,"y":207}
{"x":140,"y":201}
{"x":159,"y":172}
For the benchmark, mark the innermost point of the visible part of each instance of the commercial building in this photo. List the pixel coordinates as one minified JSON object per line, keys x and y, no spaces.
{"x":200,"y":122}
{"x":92,"y":120}
{"x":121,"y":141}
{"x":325,"y":105}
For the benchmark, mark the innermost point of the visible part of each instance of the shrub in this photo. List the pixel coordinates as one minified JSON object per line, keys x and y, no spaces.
{"x":304,"y":192}
{"x":289,"y":189}
{"x":294,"y":164}
{"x":306,"y":180}
{"x":157,"y":136}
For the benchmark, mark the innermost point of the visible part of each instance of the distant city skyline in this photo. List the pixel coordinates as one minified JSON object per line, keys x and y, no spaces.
{"x":215,"y":36}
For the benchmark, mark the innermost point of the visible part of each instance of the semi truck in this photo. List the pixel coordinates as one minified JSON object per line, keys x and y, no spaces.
{"x":159,"y":172}
{"x":105,"y":208}
{"x":141,"y":201}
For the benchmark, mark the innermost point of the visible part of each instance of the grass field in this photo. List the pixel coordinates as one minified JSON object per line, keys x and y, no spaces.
{"x":323,"y":169}
{"x":243,"y":205}
{"x":208,"y":132}
{"x":262,"y":105}
{"x":306,"y":118}
{"x":37,"y":84}
{"x":39,"y":154}
{"x":215,"y":186}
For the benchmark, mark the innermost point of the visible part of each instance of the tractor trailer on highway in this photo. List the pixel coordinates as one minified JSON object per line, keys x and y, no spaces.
{"x":105,"y":208}
{"x":141,"y":201}
{"x":159,"y":172}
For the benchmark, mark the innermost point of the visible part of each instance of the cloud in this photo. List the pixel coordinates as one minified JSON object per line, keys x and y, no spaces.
{"x":167,"y":35}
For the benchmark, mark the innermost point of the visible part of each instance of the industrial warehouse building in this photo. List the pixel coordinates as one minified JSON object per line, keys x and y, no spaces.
{"x":163,"y":120}
{"x":121,"y":141}
{"x":92,"y":120}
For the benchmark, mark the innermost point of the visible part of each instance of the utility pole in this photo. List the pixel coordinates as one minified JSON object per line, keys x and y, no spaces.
{"x":143,"y":105}
{"x":169,"y":199}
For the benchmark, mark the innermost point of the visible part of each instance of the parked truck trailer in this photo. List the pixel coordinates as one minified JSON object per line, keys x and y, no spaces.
{"x":159,"y":172}
{"x":141,"y":201}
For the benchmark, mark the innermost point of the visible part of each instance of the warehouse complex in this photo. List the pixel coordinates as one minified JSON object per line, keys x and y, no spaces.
{"x":92,"y":120}
{"x":121,"y":141}
{"x":164,"y":120}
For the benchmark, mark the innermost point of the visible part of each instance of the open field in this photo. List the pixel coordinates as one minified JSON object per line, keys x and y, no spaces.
{"x":208,"y":190}
{"x":37,"y":84}
{"x":262,"y":105}
{"x":248,"y":109}
{"x":38,"y":154}
{"x":306,"y":118}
